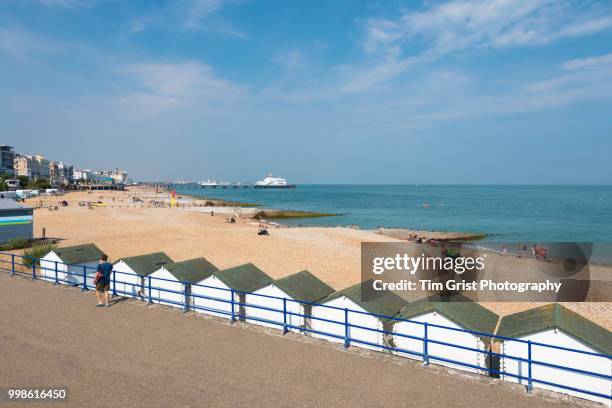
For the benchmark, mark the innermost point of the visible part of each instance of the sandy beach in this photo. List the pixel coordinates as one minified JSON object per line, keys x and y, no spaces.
{"x":122,"y":227}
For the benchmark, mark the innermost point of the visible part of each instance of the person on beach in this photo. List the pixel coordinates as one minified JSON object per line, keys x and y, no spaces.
{"x":262,"y":230}
{"x":103,"y":279}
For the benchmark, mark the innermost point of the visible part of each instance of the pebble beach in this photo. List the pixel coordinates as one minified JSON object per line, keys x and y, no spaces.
{"x":123,"y":226}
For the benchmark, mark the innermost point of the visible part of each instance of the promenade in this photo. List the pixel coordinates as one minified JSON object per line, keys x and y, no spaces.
{"x":139,"y":356}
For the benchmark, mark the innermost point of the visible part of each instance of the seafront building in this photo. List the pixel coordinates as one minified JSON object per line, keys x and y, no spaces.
{"x":117,"y":176}
{"x":58,"y":173}
{"x":32,"y":166}
{"x":82,"y":174}
{"x":7,"y":156}
{"x":61,"y":173}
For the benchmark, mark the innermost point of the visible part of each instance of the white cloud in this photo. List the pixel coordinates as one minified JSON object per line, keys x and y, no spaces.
{"x":187,"y":15}
{"x":453,"y":95}
{"x":461,"y":25}
{"x":18,"y":44}
{"x":362,"y":79}
{"x":576,"y":64}
{"x":185,"y":84}
{"x":197,"y":10}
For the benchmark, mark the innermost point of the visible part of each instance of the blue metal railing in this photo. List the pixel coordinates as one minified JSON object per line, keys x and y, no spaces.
{"x":78,"y":275}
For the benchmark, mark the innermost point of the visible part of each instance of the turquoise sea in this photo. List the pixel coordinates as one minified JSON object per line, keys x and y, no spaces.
{"x":508,"y":213}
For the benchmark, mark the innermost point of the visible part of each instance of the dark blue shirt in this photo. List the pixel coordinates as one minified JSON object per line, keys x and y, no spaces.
{"x":106,"y":268}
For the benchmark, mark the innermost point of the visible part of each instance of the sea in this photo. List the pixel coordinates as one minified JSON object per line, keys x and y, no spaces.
{"x":506,"y":213}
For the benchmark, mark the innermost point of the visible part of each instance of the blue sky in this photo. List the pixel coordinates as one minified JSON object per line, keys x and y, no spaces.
{"x":504,"y":91}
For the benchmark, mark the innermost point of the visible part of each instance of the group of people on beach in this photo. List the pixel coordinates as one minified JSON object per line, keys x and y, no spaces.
{"x":538,"y":252}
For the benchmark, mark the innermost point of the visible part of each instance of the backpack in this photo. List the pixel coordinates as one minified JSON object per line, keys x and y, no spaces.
{"x":98,"y":277}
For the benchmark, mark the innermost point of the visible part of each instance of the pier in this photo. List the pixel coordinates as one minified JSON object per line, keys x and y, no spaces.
{"x":214,"y":186}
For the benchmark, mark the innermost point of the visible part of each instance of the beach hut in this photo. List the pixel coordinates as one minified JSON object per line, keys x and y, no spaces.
{"x":71,"y":263}
{"x":213,"y":294}
{"x":299,"y":287}
{"x":15,"y":221}
{"x":450,"y":318}
{"x":171,"y":283}
{"x":556,"y":325}
{"x":347,"y":305}
{"x":131,"y":273}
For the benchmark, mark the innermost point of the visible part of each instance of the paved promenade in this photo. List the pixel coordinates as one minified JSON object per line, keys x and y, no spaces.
{"x":137,"y":356}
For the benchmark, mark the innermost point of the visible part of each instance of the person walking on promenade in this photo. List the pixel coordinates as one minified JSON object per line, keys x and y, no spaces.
{"x":102,"y":281}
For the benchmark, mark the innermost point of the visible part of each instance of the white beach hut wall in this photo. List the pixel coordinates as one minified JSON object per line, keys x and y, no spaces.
{"x":214,"y":293}
{"x":330,"y":315}
{"x":455,"y":313}
{"x":556,"y":325}
{"x":71,"y":262}
{"x":131,"y":273}
{"x":171,"y":284}
{"x":299,"y":287}
{"x":213,"y":297}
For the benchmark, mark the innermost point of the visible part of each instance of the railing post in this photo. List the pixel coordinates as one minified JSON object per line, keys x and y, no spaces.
{"x":233,"y":318}
{"x":285,"y":316}
{"x":85,"y":278}
{"x":12,"y":264}
{"x":150,"y":301}
{"x":33,"y":268}
{"x":114,"y":284}
{"x":529,"y":374}
{"x":56,"y":278}
{"x":426,"y":345}
{"x":185,"y":298}
{"x":347,"y":339}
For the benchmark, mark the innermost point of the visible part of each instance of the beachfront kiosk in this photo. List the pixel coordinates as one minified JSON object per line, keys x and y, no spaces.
{"x":131,"y":273}
{"x":455,"y":315}
{"x":69,"y":265}
{"x":287,"y":294}
{"x":556,"y":325}
{"x":15,"y":221}
{"x":171,"y":283}
{"x":348,"y":306}
{"x":213,"y":296}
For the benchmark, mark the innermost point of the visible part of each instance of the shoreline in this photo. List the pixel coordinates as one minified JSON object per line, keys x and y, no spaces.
{"x":281,"y":214}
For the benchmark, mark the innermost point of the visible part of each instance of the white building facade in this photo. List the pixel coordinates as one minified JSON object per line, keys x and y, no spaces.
{"x":552,"y":325}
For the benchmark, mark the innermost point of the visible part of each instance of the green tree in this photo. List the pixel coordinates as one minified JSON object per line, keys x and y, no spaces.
{"x":24,"y":181}
{"x":41,"y":183}
{"x":3,"y":186}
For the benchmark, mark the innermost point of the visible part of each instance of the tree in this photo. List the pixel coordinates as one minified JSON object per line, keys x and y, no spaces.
{"x":3,"y":186}
{"x":41,"y":183}
{"x":24,"y":181}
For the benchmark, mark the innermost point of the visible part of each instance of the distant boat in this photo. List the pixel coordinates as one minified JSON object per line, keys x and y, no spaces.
{"x":273,"y":182}
{"x":208,"y":183}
